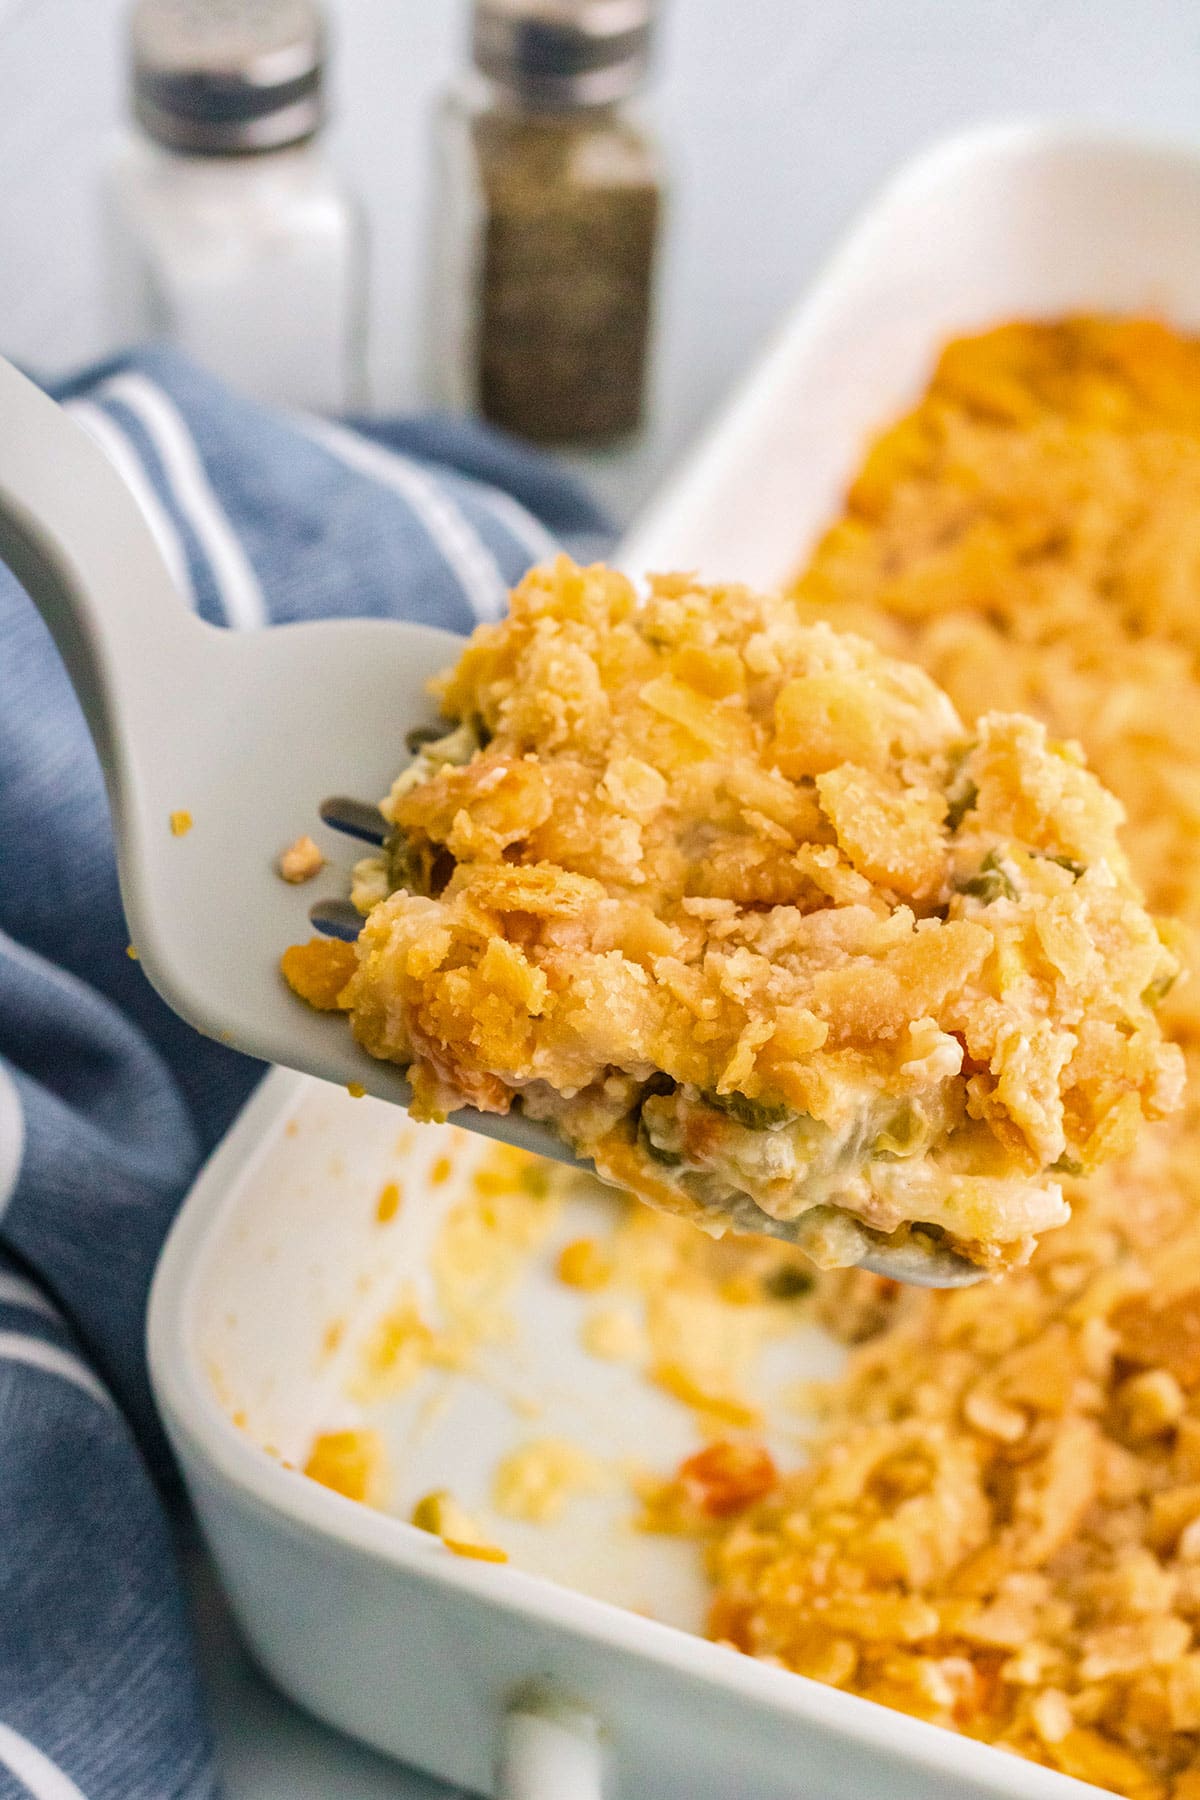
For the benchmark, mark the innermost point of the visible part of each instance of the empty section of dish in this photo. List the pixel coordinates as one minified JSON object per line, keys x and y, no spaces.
{"x":506,"y":1349}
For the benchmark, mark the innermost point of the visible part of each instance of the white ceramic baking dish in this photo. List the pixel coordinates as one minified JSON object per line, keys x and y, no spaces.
{"x":508,"y":1679}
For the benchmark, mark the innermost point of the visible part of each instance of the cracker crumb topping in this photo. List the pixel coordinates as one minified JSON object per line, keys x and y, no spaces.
{"x":301,"y":860}
{"x":740,"y":905}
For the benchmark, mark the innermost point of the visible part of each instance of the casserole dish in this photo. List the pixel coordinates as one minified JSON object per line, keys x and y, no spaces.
{"x":505,"y":1679}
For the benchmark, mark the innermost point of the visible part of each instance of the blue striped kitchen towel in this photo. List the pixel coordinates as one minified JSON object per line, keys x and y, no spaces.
{"x":108,"y":1102}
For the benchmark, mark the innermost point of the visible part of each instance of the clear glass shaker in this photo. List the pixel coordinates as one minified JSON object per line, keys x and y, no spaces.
{"x":228,"y":231}
{"x":547,"y":223}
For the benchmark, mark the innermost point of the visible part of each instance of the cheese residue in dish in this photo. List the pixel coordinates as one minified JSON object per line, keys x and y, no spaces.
{"x":482,"y":1248}
{"x":535,"y":1481}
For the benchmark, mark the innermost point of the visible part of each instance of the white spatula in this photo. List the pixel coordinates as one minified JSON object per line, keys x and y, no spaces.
{"x":248,"y":733}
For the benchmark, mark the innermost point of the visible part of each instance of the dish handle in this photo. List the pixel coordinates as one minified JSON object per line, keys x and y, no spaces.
{"x":550,"y":1749}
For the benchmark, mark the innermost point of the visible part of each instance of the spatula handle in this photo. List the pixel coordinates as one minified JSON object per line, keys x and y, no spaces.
{"x":76,"y":539}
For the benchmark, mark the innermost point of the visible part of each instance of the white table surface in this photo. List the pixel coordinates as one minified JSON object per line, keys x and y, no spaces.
{"x":780,"y":118}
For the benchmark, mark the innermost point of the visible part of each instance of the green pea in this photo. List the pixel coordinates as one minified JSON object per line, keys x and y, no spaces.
{"x":1157,"y":990}
{"x":418,"y":868}
{"x":670,"y":1159}
{"x":420,"y":735}
{"x":787,"y":1283}
{"x":962,"y":795}
{"x":905,"y":1133}
{"x":755,"y":1115}
{"x":991,"y":883}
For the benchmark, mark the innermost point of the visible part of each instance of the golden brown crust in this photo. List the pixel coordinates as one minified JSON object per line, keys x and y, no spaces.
{"x":1000,"y":1527}
{"x":710,"y":846}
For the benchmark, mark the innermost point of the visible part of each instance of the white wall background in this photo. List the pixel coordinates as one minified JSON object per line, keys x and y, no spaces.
{"x":780,"y":117}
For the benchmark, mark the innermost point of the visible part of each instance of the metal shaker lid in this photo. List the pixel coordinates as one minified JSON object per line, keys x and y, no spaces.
{"x":564,"y":53}
{"x":227,"y":77}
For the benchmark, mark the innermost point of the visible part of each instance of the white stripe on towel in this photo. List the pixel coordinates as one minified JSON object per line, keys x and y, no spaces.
{"x":124,"y":458}
{"x":475,"y":568}
{"x":12,"y":1137}
{"x":52,"y":1360}
{"x":44,"y":1779}
{"x":241,"y":596}
{"x":17,"y":1290}
{"x":529,"y":532}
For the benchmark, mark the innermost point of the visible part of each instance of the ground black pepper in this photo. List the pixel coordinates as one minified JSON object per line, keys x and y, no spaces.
{"x":571,"y":214}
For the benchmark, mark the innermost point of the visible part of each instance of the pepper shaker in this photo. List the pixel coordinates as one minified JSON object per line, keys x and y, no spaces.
{"x":548,"y":214}
{"x":229,"y":233}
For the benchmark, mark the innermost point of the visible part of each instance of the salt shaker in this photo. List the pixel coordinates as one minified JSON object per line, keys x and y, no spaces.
{"x":547,"y":221}
{"x":229,"y":233}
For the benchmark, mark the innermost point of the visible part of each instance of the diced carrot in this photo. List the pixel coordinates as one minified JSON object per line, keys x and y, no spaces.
{"x":724,"y":1478}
